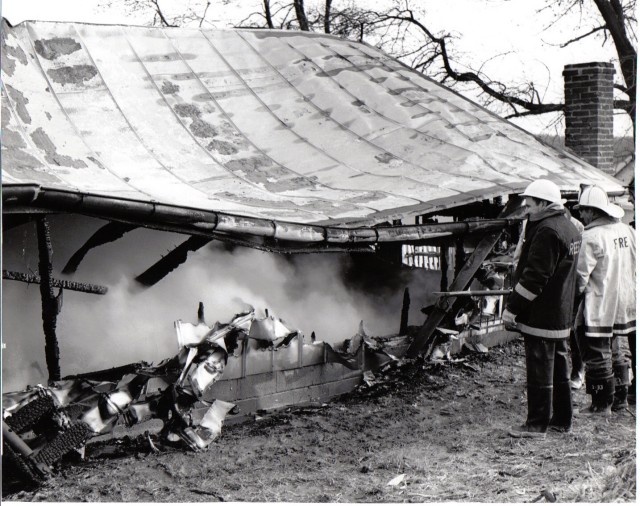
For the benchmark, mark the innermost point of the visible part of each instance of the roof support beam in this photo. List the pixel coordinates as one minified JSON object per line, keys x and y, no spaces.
{"x":106,"y":234}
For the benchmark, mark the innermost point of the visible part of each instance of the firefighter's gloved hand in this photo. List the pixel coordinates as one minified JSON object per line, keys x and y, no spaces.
{"x":509,"y":319}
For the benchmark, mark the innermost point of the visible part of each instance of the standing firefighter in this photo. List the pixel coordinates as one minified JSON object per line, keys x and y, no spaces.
{"x":607,"y":281}
{"x":541,"y":305}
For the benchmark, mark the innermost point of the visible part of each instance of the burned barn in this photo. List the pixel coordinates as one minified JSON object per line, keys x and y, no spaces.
{"x":128,"y":150}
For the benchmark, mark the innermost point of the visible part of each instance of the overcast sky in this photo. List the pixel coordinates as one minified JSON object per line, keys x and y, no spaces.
{"x":510,"y":39}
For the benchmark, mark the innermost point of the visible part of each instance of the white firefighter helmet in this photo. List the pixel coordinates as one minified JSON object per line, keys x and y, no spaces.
{"x":596,"y":197}
{"x":545,"y":190}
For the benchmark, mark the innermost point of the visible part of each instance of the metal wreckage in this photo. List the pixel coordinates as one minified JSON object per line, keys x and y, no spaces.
{"x":49,"y":421}
{"x":43,"y":423}
{"x":285,"y":142}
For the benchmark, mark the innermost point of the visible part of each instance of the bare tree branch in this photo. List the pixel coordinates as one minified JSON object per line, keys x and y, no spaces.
{"x":204,"y":14}
{"x":531,"y":106}
{"x":160,"y":14}
{"x":583,"y":36}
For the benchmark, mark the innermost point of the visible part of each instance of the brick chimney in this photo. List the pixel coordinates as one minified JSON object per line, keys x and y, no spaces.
{"x":588,"y":94}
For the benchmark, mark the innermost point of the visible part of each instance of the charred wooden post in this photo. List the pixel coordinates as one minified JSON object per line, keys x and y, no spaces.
{"x":56,"y":283}
{"x":200,"y":312}
{"x":404,"y":317}
{"x":444,"y":266}
{"x":50,"y":307}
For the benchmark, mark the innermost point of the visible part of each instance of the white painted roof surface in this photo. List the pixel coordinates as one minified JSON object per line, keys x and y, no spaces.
{"x":280,"y":125}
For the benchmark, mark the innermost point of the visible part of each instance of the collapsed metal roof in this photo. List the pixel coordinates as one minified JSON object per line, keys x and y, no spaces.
{"x":292,"y":127}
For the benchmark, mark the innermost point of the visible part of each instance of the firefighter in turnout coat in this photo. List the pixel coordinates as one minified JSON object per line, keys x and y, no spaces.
{"x":541,"y":308}
{"x":606,"y":280}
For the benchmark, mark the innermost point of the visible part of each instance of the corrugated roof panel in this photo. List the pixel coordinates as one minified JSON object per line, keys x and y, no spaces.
{"x":288,"y":126}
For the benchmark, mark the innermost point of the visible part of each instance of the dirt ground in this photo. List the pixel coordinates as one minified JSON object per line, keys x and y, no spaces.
{"x":427,"y":432}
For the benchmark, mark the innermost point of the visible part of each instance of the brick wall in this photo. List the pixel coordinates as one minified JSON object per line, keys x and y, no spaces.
{"x":588,"y":91}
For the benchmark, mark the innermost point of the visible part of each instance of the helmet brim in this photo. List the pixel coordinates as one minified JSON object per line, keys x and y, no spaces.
{"x":612,"y":210}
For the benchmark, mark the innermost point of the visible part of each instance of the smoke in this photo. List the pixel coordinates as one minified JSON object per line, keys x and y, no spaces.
{"x":131,"y":323}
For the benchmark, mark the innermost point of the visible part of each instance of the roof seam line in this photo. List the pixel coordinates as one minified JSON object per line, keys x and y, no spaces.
{"x":340,"y":125}
{"x":244,"y":83}
{"x":391,"y":120}
{"x":226,"y":116}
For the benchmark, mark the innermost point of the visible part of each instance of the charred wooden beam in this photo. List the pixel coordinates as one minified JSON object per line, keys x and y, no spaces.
{"x":171,"y":261}
{"x":424,"y":341}
{"x":201,"y":313}
{"x":404,"y":317}
{"x":50,"y":306}
{"x":56,"y":283}
{"x":444,"y":265}
{"x":109,"y":233}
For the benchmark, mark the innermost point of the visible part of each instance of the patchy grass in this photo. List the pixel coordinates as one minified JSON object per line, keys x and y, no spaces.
{"x":440,"y":429}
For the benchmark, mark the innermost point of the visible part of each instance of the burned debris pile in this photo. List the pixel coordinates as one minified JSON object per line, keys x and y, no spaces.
{"x":43,"y":423}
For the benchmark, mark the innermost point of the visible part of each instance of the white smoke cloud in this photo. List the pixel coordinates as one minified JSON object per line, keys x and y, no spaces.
{"x":131,"y":323}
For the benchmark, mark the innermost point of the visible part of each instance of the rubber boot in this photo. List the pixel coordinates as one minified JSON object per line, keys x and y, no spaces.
{"x":601,"y":391}
{"x":620,"y":398}
{"x":621,"y":376}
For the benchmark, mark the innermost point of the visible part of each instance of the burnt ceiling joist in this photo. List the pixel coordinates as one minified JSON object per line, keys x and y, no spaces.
{"x":106,"y":234}
{"x":171,"y":261}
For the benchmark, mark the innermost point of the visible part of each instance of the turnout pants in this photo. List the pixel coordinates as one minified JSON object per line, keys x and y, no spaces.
{"x":548,"y":387}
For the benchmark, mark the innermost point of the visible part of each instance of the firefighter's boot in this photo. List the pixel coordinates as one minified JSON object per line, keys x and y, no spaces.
{"x":602,"y":391}
{"x":621,"y":375}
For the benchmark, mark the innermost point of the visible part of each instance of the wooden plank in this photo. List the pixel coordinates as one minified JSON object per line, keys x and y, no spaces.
{"x":56,"y":283}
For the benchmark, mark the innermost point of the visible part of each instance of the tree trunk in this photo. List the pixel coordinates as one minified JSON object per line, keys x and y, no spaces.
{"x":267,"y":13}
{"x":611,"y":11}
{"x":301,"y":15}
{"x":327,"y":16}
